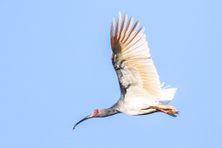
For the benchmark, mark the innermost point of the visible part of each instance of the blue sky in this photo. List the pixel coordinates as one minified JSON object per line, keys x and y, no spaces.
{"x":55,"y":68}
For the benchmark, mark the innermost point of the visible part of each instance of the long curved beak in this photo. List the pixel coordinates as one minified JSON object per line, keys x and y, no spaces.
{"x":86,"y":118}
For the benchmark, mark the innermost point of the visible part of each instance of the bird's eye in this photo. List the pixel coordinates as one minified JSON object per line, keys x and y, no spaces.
{"x":95,"y":112}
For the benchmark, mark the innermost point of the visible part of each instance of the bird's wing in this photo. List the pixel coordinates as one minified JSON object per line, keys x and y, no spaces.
{"x":131,"y":58}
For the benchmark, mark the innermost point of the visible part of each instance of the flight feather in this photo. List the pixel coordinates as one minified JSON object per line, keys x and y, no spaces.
{"x":131,"y":57}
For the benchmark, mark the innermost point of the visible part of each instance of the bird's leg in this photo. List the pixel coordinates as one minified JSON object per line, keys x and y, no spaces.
{"x":163,"y":108}
{"x":152,"y":107}
{"x":147,"y":108}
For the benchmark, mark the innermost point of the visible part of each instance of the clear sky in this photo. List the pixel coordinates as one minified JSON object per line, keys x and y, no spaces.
{"x":55,"y":68}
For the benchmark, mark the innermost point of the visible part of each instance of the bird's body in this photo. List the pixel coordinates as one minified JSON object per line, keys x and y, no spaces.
{"x":141,"y":90}
{"x":137,"y":102}
{"x":134,"y":101}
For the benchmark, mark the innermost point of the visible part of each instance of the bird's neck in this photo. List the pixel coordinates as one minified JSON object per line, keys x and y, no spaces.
{"x":108,"y":112}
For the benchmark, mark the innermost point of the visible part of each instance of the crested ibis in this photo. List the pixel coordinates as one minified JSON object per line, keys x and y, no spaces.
{"x":141,"y":90}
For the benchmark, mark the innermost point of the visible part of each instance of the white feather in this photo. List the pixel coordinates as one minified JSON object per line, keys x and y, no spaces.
{"x":167,"y":95}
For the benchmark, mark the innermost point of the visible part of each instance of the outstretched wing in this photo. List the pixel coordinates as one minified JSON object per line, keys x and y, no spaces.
{"x":131,"y":58}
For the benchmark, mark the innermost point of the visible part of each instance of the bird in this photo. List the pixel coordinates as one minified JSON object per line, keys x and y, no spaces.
{"x":140,"y":87}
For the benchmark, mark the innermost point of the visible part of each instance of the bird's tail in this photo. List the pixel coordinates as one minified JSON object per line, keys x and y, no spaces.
{"x":167,"y":95}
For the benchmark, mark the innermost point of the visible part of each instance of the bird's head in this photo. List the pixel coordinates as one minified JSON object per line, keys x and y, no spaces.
{"x":99,"y":113}
{"x":93,"y":114}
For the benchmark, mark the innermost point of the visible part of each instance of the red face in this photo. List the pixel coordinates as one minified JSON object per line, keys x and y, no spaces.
{"x":94,"y":113}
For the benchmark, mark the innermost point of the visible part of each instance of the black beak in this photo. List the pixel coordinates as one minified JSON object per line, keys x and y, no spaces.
{"x":86,"y":118}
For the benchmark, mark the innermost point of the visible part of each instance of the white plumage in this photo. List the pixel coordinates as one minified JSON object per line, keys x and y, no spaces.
{"x":138,"y":77}
{"x":141,"y":90}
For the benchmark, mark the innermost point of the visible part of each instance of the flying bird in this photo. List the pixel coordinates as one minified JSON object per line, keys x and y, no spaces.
{"x":141,"y":90}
